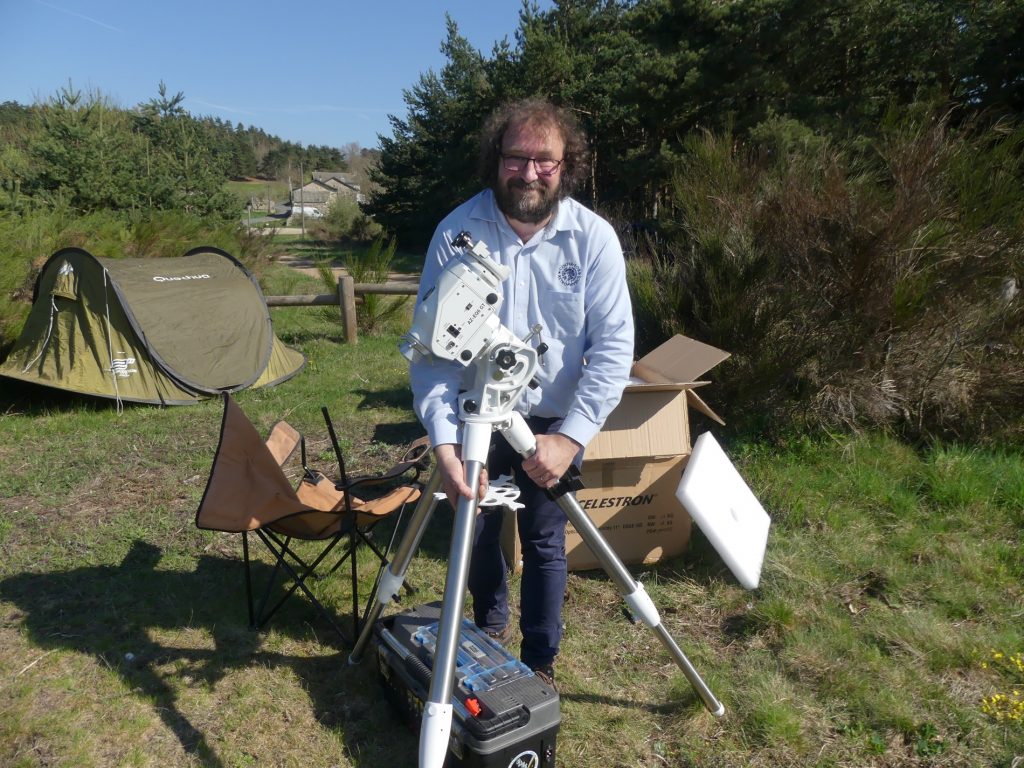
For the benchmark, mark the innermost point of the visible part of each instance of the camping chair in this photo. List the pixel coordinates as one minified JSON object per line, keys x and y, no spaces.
{"x":248,"y":492}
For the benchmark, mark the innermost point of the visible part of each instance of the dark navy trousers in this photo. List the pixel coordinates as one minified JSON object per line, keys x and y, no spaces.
{"x":542,"y":536}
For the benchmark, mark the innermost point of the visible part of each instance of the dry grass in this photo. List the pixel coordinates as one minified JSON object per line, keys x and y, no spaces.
{"x":846,"y":656}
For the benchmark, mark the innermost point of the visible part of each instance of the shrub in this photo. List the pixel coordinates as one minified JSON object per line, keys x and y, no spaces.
{"x":857,"y":286}
{"x":657,"y":289}
{"x":158,"y":234}
{"x":344,"y":221}
{"x":1006,"y":706}
{"x":370,"y":265}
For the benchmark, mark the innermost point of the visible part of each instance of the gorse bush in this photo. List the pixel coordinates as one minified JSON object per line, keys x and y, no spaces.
{"x":657,"y":291}
{"x":1006,"y":706}
{"x":868,"y":285}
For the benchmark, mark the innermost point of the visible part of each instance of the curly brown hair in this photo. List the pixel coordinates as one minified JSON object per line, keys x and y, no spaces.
{"x":540,"y":112}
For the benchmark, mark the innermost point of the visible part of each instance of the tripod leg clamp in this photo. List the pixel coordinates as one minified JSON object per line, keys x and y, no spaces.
{"x":389,"y":587}
{"x":642,"y":607}
{"x":567,"y":483}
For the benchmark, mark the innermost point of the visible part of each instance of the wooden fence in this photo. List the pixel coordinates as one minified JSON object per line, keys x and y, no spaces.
{"x":349,"y":294}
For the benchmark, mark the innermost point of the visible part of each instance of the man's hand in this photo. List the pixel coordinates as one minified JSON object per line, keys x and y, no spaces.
{"x":553,"y":456}
{"x":453,"y":473}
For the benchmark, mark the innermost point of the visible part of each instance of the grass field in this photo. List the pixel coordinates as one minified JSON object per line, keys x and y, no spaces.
{"x":892,"y":583}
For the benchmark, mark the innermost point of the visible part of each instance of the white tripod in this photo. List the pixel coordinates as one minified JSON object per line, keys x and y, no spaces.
{"x":457,"y":320}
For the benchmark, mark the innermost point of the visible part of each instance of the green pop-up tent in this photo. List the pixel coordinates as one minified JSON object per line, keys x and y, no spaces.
{"x":171,"y":331}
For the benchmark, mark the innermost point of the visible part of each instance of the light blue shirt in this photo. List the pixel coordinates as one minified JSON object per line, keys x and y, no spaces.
{"x":571,"y":279}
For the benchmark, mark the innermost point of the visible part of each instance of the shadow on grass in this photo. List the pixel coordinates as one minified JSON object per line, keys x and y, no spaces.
{"x":399,"y":397}
{"x":700,"y":563}
{"x":112,"y":612}
{"x":297,"y":338}
{"x":672,"y":707}
{"x":25,"y":399}
{"x":397,"y":433}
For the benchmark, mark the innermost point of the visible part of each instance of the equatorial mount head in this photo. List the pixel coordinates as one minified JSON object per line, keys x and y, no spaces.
{"x":457,"y":319}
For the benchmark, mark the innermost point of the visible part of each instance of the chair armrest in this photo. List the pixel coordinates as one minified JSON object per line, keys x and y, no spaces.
{"x":394,"y":473}
{"x":419,"y":453}
{"x":415,"y":461}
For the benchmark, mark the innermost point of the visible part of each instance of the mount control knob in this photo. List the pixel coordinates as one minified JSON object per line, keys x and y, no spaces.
{"x":505,"y":359}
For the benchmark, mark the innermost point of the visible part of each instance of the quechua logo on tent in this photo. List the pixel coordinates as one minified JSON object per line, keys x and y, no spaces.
{"x":175,"y":278}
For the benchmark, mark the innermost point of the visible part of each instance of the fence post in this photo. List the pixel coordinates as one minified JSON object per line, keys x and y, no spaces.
{"x":347,"y":303}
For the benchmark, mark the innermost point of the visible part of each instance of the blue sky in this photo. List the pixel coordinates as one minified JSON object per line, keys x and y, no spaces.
{"x":313,"y":72}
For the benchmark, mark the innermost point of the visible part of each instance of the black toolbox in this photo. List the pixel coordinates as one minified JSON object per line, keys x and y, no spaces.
{"x":504,"y":715}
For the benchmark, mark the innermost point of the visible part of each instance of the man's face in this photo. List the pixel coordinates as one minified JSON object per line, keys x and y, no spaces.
{"x":524,"y":194}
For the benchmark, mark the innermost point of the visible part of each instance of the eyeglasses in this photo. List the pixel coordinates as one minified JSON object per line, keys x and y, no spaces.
{"x":517,"y":163}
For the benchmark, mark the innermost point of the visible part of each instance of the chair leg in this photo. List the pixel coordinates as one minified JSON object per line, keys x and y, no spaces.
{"x":354,"y":565}
{"x":285,"y":557}
{"x":248,"y":578}
{"x":282,"y":551}
{"x":364,"y":537}
{"x":262,"y":615}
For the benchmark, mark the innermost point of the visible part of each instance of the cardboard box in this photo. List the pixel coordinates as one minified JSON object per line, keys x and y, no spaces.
{"x":632,"y":467}
{"x":632,"y":502}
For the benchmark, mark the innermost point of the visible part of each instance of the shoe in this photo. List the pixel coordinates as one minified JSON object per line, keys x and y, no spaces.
{"x":501,"y":636}
{"x":547,"y":674}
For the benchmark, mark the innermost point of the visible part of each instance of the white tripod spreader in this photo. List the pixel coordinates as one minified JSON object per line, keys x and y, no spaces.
{"x":457,"y":321}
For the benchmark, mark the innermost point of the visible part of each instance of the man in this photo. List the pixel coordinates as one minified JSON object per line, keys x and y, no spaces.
{"x":568,"y":275}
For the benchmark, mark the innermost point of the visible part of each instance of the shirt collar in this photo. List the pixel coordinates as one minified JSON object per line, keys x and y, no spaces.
{"x":486,"y":209}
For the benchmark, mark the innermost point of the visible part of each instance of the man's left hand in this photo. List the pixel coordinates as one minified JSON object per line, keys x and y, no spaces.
{"x":553,"y":456}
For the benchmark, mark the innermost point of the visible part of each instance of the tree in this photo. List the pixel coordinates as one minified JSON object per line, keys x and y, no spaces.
{"x":583,"y":55}
{"x":644,"y":75}
{"x":182,"y":169}
{"x":360,"y":161}
{"x":428,"y":165}
{"x":164,"y":106}
{"x":85,"y":153}
{"x":82,"y":152}
{"x":15,"y":162}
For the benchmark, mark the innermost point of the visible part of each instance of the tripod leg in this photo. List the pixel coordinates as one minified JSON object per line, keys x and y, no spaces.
{"x":436,"y":724}
{"x":640,"y":604}
{"x":393,"y":574}
{"x":636,"y":597}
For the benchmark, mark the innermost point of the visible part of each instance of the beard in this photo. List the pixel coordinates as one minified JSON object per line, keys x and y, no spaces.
{"x":530,"y":203}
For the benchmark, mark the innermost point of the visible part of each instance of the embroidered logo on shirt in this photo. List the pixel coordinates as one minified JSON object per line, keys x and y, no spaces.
{"x":569,"y":274}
